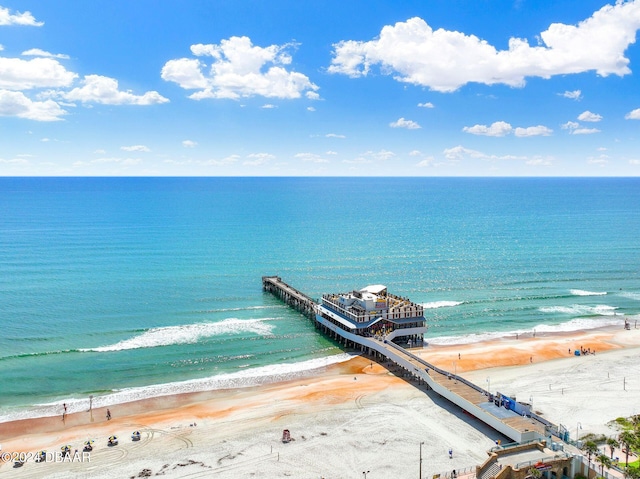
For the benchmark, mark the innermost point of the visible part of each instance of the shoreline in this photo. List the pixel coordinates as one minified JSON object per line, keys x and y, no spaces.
{"x":352,"y":396}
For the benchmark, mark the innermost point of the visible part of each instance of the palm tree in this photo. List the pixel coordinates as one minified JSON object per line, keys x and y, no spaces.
{"x":612,"y":443}
{"x":590,"y":448}
{"x":535,"y":473}
{"x":604,"y":461}
{"x":627,"y":439}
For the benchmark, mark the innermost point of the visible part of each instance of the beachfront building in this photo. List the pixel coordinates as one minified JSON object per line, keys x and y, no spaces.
{"x":374,"y":312}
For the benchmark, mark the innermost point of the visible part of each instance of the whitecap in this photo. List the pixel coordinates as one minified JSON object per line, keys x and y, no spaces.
{"x":441,"y":304}
{"x":580,"y":292}
{"x":188,"y":334}
{"x":581,"y":310}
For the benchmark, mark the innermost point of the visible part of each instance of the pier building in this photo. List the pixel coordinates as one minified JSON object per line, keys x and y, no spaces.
{"x":374,"y":312}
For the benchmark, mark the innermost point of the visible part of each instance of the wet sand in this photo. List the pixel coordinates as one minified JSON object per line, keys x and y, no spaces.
{"x":349,"y":418}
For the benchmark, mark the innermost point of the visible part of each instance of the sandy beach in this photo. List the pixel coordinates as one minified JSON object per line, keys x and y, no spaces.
{"x":350,"y":418}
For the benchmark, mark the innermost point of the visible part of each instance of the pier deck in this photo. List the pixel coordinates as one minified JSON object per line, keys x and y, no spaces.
{"x":471,"y":398}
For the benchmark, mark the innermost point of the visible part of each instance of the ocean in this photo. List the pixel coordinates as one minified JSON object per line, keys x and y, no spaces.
{"x":124,"y":288}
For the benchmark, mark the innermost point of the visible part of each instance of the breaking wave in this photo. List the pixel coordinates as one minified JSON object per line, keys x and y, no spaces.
{"x":188,"y":334}
{"x":580,"y":292}
{"x":441,"y":304}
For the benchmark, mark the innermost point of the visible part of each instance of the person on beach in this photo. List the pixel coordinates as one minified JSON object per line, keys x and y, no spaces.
{"x":450,"y":453}
{"x":108,"y":415}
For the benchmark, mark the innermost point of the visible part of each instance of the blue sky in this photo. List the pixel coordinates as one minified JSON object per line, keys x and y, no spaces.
{"x":332,"y":88}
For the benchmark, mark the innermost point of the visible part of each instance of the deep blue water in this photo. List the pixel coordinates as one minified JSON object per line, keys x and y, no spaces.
{"x":108,"y":284}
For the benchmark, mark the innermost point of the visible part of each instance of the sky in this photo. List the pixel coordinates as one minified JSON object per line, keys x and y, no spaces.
{"x":322,"y":88}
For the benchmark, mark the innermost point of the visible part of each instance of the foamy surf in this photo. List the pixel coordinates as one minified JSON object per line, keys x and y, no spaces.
{"x":241,"y":379}
{"x":188,"y":334}
{"x":577,"y":324}
{"x":580,"y":292}
{"x":441,"y":304}
{"x":581,"y":310}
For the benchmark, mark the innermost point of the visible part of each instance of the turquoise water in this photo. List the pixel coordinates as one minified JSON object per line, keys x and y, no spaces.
{"x":125,"y":288}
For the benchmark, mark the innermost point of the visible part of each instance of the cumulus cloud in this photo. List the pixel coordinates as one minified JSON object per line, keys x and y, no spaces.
{"x":445,"y":60}
{"x":15,"y":103}
{"x":588,"y":116}
{"x":136,"y":148}
{"x":24,"y":18}
{"x":334,"y":135}
{"x":268,"y":106}
{"x":572,"y":95}
{"x":18,"y":74}
{"x":458,"y":153}
{"x":539,"y":130}
{"x":575,"y":129}
{"x":189,"y":144}
{"x":228,"y":160}
{"x":310,"y":108}
{"x":426,"y":105}
{"x":498,"y":128}
{"x":239,"y":69}
{"x":36,"y":52}
{"x":104,"y":90}
{"x":633,"y":115}
{"x":372,"y":157}
{"x":402,"y":123}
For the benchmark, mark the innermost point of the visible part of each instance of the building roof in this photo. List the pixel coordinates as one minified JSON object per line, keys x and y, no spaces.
{"x":374,"y":289}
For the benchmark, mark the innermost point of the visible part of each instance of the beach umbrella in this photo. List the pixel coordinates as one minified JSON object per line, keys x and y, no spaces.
{"x":89,"y":442}
{"x":66,"y":448}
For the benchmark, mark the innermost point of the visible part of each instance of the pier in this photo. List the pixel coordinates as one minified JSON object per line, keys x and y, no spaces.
{"x":515,"y":420}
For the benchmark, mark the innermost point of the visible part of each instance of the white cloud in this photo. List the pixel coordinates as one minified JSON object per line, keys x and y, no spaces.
{"x":575,"y":129}
{"x":445,"y":60}
{"x":633,"y":115}
{"x":18,"y":74}
{"x":600,"y":161}
{"x":189,"y":144}
{"x":1,"y":48}
{"x":36,"y":52}
{"x":573,"y":95}
{"x":539,"y":162}
{"x":311,"y":157}
{"x":113,"y":160}
{"x":100,"y":152}
{"x":634,"y":162}
{"x":426,"y":105}
{"x":239,"y":69}
{"x":104,"y":90}
{"x":585,"y":131}
{"x":588,"y":116}
{"x":15,"y":103}
{"x":258,"y":159}
{"x":310,"y":108}
{"x":229,"y":160}
{"x":334,"y":135}
{"x":268,"y":106}
{"x":425,"y":163}
{"x":539,"y":130}
{"x":498,"y":128}
{"x":460,"y":152}
{"x":570,"y":125}
{"x":136,"y":148}
{"x":402,"y":123}
{"x":372,"y":156}
{"x":25,"y":18}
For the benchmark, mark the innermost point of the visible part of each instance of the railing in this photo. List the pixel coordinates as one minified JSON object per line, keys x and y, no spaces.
{"x":466,"y":473}
{"x":560,"y":455}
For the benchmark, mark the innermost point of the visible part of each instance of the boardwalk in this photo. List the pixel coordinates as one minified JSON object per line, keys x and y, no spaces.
{"x":518,"y":422}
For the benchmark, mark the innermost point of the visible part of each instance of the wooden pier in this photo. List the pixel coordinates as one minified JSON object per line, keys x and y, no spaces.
{"x":519,"y":423}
